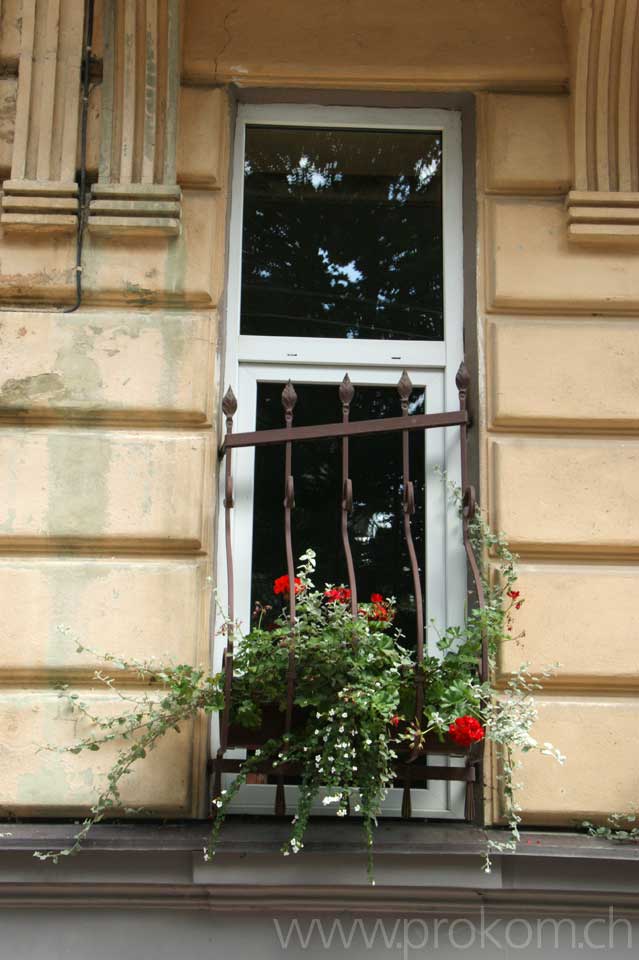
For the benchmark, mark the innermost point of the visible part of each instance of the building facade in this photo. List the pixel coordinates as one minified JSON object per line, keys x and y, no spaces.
{"x":128,"y":135}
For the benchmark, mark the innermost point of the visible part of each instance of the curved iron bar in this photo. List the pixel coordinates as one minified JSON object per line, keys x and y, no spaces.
{"x":289,"y":399}
{"x":405,"y":388}
{"x":229,"y":408}
{"x":469,"y":507}
{"x":346,"y":394}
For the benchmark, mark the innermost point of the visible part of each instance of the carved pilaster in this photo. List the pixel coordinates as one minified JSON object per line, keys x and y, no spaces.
{"x":136,"y":191}
{"x":42,"y":192}
{"x":603,"y":207}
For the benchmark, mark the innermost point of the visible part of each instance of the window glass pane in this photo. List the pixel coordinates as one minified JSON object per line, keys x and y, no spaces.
{"x":376,"y":532}
{"x":342,"y":234}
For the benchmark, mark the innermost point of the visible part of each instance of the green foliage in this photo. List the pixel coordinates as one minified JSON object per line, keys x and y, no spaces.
{"x":619,"y":826}
{"x":354,"y":699}
{"x":146,"y":718}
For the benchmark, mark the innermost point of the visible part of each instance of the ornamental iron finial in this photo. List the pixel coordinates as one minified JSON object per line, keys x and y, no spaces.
{"x":462,"y":378}
{"x":404,"y":389}
{"x":346,"y":391}
{"x":289,"y":398}
{"x":229,"y":404}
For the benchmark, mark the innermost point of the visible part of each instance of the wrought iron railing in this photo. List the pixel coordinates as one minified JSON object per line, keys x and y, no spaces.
{"x":416,"y":766}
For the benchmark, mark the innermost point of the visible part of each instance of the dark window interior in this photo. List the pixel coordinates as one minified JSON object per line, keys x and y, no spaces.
{"x":342,"y":234}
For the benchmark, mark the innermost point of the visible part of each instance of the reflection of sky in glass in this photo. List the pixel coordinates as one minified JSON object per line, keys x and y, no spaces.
{"x":342,"y":234}
{"x":342,"y":273}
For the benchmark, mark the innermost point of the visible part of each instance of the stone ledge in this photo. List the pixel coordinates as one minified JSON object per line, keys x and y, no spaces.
{"x":421,"y":868}
{"x":133,"y":226}
{"x":603,"y":217}
{"x":29,"y":205}
{"x":264,"y":835}
{"x":135,"y":209}
{"x":52,"y":222}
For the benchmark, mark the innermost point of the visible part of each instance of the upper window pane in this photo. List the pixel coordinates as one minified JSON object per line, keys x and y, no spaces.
{"x":342,"y":234}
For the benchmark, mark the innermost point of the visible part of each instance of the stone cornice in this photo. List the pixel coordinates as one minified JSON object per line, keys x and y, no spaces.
{"x":312,"y":900}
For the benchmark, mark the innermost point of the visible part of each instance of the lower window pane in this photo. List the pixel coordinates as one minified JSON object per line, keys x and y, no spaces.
{"x":375,"y":526}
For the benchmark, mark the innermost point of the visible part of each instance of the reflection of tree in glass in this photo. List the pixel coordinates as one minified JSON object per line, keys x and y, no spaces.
{"x":342,"y":234}
{"x":377,"y":540}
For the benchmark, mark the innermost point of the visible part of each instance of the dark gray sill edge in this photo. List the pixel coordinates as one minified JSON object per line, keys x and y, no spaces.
{"x":266,"y":835}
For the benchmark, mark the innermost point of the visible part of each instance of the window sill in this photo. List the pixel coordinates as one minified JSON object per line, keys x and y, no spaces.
{"x":265,"y":835}
{"x":420,"y":869}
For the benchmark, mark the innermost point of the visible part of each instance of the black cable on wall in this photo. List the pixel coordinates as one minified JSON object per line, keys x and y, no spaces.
{"x":84,"y":118}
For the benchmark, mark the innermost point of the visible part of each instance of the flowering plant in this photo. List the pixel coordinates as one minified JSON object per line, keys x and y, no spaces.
{"x":354,"y":698}
{"x":282,"y":586}
{"x":466,"y":730}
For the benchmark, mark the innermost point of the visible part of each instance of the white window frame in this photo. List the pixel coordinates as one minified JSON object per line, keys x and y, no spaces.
{"x":431,"y":365}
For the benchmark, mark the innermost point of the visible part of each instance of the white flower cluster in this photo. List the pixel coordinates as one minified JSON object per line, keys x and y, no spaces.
{"x":293,"y":845}
{"x":549,"y":751}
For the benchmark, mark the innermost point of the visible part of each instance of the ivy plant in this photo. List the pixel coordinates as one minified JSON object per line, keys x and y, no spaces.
{"x":354,"y":699}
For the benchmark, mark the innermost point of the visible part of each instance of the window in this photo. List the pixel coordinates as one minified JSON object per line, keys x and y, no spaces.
{"x":346,"y":256}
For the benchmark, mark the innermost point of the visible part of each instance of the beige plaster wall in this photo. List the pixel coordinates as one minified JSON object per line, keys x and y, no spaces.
{"x":558,"y":328}
{"x":403,"y":45}
{"x":109,"y":414}
{"x":108,"y":426}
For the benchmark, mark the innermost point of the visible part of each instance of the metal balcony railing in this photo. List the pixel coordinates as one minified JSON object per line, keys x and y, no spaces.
{"x":415,"y":767}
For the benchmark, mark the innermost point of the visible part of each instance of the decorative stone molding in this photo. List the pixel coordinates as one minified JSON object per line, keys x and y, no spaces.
{"x":42,"y":192}
{"x":603,"y":35}
{"x":136,"y":191}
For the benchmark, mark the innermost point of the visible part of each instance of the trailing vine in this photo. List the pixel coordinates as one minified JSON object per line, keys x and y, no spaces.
{"x":354,"y":699}
{"x":619,"y":827}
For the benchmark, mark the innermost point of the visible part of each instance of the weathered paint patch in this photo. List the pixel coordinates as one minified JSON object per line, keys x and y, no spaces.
{"x":41,"y":386}
{"x":78,"y":493}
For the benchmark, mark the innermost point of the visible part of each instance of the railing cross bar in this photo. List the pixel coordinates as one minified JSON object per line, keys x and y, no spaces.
{"x":418,"y":421}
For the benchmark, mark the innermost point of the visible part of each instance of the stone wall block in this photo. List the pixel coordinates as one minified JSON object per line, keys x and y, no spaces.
{"x":107,"y":365}
{"x":583,"y":617}
{"x":187,"y":270}
{"x":540,"y":373}
{"x":40,"y":782}
{"x":132,"y":608}
{"x":202,"y":153}
{"x":133,"y":490}
{"x":598,"y":777}
{"x":530,"y":265}
{"x":526,"y":147}
{"x":564,"y":495}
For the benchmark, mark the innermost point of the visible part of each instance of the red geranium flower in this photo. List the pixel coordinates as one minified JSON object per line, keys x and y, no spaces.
{"x":466,"y":730}
{"x":282,"y":585}
{"x":377,"y":598}
{"x":380,"y":612}
{"x":338,"y":595}
{"x":395,"y":721}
